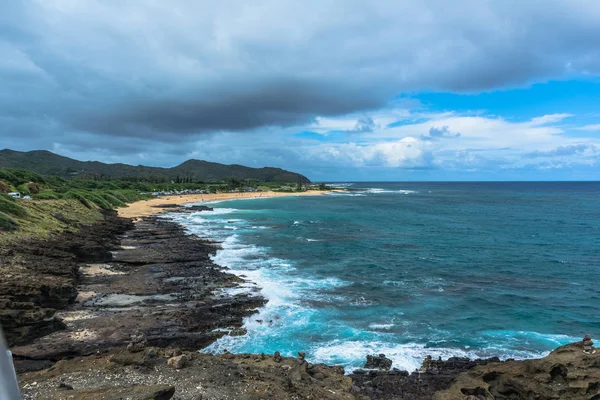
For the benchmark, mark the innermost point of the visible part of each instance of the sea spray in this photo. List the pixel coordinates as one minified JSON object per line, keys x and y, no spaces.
{"x":445,"y":269}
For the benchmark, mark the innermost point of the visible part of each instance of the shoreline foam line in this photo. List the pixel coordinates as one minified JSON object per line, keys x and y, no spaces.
{"x":285,"y":295}
{"x":144,"y":208}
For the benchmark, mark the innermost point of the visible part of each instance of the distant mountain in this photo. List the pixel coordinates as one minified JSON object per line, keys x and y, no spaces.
{"x":47,"y":163}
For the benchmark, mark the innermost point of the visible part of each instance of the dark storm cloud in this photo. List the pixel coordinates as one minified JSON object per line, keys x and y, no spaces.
{"x":280,"y":104}
{"x":164,"y":70}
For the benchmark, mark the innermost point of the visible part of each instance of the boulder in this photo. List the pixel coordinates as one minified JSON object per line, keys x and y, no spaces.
{"x":378,"y":362}
{"x":178,"y":362}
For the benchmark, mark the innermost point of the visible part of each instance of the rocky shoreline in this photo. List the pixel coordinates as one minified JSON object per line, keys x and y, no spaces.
{"x":119,"y":310}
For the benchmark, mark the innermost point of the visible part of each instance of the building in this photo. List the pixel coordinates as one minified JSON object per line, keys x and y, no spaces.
{"x":16,"y":195}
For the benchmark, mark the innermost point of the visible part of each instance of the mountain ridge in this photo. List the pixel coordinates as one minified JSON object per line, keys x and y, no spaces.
{"x":47,"y":163}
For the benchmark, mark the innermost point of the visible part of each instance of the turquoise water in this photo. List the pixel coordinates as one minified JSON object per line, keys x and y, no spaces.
{"x":409,"y":269}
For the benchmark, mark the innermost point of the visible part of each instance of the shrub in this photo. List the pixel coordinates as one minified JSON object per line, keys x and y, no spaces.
{"x":7,"y":224}
{"x":23,"y":189}
{"x":98,"y":200}
{"x":33,"y":188}
{"x":72,"y":194}
{"x":119,"y":195}
{"x":112,"y":200}
{"x":4,"y":187}
{"x":5,"y":175}
{"x":47,"y":195}
{"x":21,"y":176}
{"x":129,"y":195}
{"x":11,"y":207}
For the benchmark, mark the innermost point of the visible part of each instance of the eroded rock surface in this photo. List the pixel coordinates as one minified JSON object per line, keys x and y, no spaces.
{"x":207,"y":377}
{"x":152,"y":281}
{"x":99,"y":314}
{"x":566,"y":373}
{"x":40,"y":277}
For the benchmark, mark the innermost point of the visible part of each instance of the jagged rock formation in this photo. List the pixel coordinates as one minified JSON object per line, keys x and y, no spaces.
{"x":156,"y":286}
{"x":566,"y":374}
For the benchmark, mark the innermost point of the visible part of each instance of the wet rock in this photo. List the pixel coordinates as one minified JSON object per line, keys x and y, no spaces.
{"x":238,"y":332}
{"x":200,"y":208}
{"x":177,"y":362}
{"x":420,"y":385}
{"x":378,"y":362}
{"x":301,"y":356}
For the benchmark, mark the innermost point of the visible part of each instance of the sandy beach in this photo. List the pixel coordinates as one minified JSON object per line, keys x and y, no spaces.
{"x":149,"y":207}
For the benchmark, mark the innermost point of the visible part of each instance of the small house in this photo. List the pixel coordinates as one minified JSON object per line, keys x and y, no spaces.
{"x":16,"y":195}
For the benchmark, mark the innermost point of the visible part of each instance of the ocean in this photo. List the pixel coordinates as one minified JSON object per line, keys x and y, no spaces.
{"x":411,"y":269}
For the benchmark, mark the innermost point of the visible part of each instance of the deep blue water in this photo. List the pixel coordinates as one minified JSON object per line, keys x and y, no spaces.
{"x":409,"y":269}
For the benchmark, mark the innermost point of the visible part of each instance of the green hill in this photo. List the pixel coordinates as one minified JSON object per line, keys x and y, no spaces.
{"x":47,"y":163}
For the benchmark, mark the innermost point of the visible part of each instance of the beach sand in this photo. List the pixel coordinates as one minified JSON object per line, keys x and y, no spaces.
{"x":148,"y":207}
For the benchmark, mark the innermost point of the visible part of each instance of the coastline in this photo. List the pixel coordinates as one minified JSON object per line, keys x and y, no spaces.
{"x":149,"y":207}
{"x":105,"y":345}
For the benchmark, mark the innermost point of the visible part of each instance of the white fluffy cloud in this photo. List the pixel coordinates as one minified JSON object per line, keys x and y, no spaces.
{"x":467,"y":142}
{"x":407,"y":152}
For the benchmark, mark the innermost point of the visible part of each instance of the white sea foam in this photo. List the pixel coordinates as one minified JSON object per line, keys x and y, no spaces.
{"x":530,"y":336}
{"x":283,"y":323}
{"x":349,"y":194}
{"x":399,"y":191}
{"x":407,"y":356}
{"x":381,"y":326}
{"x":340,"y":185}
{"x":216,"y":211}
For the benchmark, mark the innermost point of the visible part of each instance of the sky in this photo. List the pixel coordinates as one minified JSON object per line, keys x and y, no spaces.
{"x":339,"y":90}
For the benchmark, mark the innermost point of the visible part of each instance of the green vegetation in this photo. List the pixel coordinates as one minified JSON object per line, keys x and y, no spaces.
{"x":55,"y":203}
{"x":42,"y":218}
{"x":9,"y":206}
{"x":7,"y":223}
{"x":191,"y":171}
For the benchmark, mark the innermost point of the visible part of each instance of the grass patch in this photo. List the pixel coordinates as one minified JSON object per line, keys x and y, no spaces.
{"x":44,"y":218}
{"x":9,"y":206}
{"x":7,"y":224}
{"x":47,"y":195}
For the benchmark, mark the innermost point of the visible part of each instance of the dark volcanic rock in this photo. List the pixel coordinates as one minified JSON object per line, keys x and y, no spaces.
{"x":141,"y":392}
{"x":420,"y":385}
{"x":200,"y":208}
{"x":227,"y":376}
{"x":378,"y":362}
{"x":160,"y":289}
{"x":566,"y":373}
{"x":42,"y":276}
